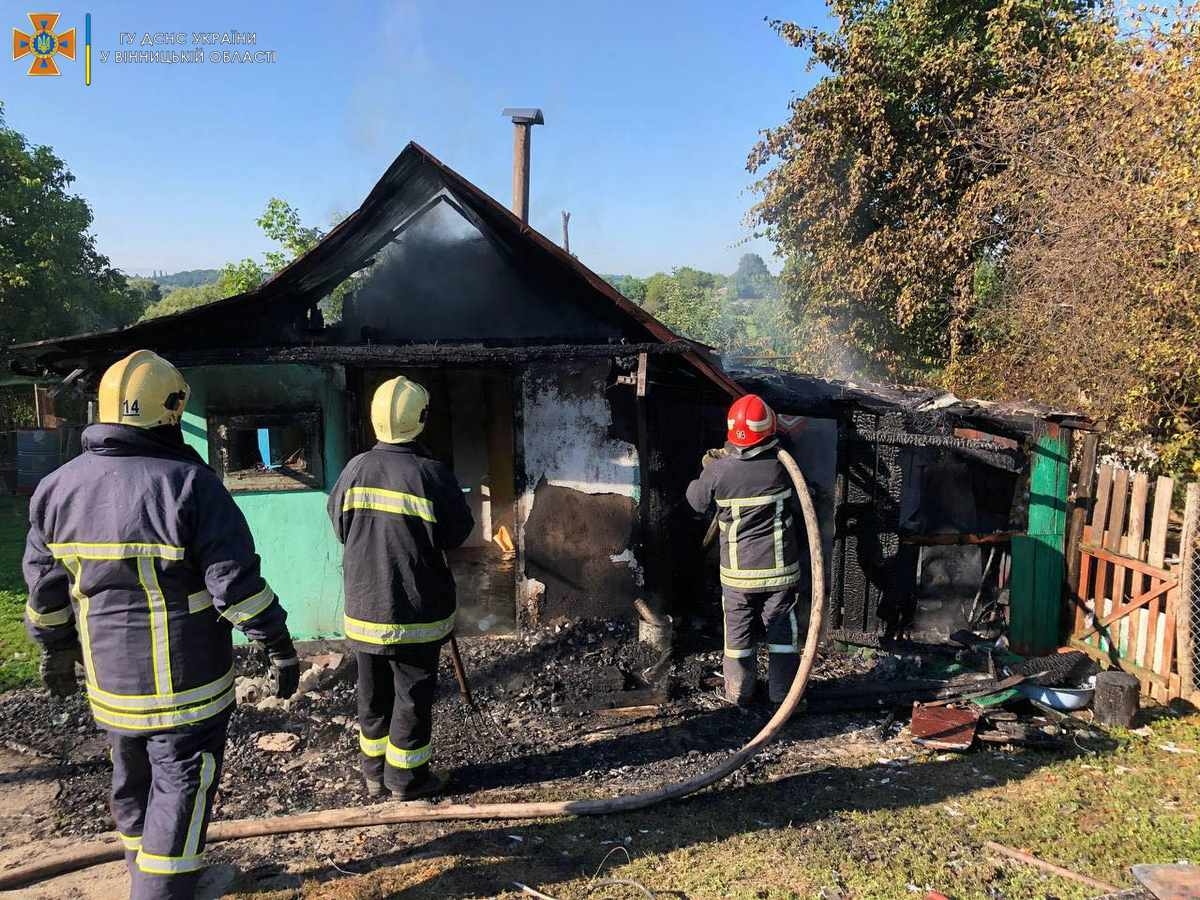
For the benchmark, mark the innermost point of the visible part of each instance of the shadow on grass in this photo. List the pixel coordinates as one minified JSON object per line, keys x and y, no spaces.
{"x":14,"y":522}
{"x":489,"y":860}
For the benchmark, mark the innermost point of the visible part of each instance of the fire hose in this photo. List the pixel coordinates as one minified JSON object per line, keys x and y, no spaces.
{"x":109,"y":848}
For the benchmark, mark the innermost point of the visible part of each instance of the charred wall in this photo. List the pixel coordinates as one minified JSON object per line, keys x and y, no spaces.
{"x":579,"y":500}
{"x":442,"y":280}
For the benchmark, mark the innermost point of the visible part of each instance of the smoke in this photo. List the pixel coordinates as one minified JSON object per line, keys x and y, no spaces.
{"x":442,"y":280}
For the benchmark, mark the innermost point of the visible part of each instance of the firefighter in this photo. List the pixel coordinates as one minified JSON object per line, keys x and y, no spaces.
{"x":397,"y":509}
{"x":761,"y":555}
{"x":139,"y":565}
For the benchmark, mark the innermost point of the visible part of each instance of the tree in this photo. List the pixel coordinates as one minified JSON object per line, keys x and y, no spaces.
{"x":187,"y":298}
{"x":632,"y":287}
{"x":145,"y":290}
{"x":53,"y":281}
{"x":238,"y":278}
{"x":691,"y":302}
{"x":281,"y":223}
{"x":1093,"y":296}
{"x":187,"y":278}
{"x":753,"y":280}
{"x":862,"y":186}
{"x":656,"y":286}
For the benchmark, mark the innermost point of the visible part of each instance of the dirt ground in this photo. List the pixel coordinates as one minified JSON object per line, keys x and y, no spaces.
{"x":539,"y":733}
{"x":542,"y":739}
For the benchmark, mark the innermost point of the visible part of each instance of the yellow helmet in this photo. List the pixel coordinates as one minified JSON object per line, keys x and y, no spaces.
{"x":398,"y":410}
{"x":143,"y":390}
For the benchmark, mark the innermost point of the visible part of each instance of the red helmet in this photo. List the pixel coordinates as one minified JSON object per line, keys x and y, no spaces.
{"x":750,"y":421}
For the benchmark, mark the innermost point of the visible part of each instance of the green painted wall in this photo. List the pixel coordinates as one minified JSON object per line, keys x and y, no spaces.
{"x":1039,"y":568}
{"x":301,"y":559}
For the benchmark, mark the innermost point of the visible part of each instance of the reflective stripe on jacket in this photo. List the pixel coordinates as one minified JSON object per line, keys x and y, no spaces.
{"x":396,"y":510}
{"x":756,"y":516}
{"x":137,"y":552}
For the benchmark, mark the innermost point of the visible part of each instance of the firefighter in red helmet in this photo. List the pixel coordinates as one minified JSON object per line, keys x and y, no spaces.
{"x":762,"y":555}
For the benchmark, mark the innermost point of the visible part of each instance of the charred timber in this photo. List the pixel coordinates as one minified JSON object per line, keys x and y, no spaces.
{"x":985,"y":452}
{"x":955,"y":539}
{"x":946,"y":441}
{"x":421,"y":354}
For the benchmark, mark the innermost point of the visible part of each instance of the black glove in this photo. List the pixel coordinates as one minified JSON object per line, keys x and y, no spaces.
{"x":57,"y":670}
{"x":284,"y":676}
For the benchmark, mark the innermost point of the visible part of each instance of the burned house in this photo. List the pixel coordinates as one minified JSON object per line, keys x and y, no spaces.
{"x":572,"y":418}
{"x":940,"y":514}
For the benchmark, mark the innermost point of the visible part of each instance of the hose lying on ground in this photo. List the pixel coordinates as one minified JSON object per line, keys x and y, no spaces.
{"x":109,"y":848}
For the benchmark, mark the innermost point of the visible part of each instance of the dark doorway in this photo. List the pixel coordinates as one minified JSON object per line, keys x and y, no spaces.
{"x":471,"y":427}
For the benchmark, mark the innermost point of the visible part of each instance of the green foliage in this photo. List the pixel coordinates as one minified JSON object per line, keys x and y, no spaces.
{"x":238,"y":278}
{"x":691,"y":304}
{"x":16,"y":404}
{"x":146,"y":290}
{"x":656,"y":286}
{"x":865,"y":179}
{"x":187,"y":278}
{"x":705,"y":306}
{"x":187,"y":298}
{"x":53,"y":281}
{"x":18,"y":654}
{"x":753,"y":280}
{"x":1093,"y":300}
{"x":281,"y":223}
{"x":631,"y":286}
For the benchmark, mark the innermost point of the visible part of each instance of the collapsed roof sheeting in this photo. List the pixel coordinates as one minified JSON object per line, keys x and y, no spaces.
{"x":253,"y":317}
{"x":791,"y":392}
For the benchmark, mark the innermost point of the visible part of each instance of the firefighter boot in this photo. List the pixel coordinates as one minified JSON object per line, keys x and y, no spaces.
{"x":781,"y":672}
{"x":740,"y":677}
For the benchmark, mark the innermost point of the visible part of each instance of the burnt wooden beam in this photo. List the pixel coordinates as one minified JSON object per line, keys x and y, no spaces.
{"x":419,"y":354}
{"x":949,"y":540}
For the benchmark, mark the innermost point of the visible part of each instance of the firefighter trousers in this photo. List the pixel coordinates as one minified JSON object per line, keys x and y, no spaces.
{"x":395,"y":714}
{"x":748,"y":617}
{"x":162,"y":793}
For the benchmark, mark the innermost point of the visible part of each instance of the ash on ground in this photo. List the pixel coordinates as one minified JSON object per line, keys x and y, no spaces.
{"x":548,"y":720}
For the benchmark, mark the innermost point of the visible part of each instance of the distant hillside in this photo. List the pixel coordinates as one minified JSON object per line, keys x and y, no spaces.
{"x":190,"y":278}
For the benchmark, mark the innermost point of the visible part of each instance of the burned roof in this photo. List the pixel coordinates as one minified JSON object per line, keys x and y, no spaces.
{"x":803,"y":394}
{"x":350,"y":247}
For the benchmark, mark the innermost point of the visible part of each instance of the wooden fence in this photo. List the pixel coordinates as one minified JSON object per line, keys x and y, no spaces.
{"x":1130,"y":579}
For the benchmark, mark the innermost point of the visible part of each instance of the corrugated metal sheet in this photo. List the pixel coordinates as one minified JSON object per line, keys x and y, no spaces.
{"x":37,"y":456}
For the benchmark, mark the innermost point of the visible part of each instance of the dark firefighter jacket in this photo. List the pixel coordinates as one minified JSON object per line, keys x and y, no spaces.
{"x":396,"y":510}
{"x":757,"y":512}
{"x":137,"y":552}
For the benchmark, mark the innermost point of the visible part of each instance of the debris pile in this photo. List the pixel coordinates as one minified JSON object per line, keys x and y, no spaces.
{"x":569,"y":705}
{"x":1027,"y":707}
{"x":576,"y":708}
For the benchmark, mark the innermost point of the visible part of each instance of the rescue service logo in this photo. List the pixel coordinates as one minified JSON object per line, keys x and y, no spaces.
{"x":44,"y":44}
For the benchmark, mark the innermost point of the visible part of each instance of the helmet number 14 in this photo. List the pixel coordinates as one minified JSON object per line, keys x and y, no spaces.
{"x":130,"y":409}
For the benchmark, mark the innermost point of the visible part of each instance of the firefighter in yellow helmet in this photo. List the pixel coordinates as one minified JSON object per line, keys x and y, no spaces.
{"x":139,"y":565}
{"x":396,"y":510}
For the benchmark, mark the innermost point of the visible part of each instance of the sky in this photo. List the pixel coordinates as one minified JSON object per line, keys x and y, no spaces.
{"x":651,"y":110}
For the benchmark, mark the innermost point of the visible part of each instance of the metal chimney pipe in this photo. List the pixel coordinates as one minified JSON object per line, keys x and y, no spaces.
{"x":523,"y":119}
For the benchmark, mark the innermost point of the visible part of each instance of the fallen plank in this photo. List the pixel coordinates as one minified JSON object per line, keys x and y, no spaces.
{"x":1178,"y":881}
{"x":944,"y":727}
{"x":627,"y":711}
{"x":998,"y":687}
{"x":1030,"y":860}
{"x":899,"y":692}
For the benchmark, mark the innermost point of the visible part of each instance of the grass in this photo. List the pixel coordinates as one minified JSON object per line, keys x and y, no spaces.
{"x":840,"y":831}
{"x":853,"y":828}
{"x":18,"y":654}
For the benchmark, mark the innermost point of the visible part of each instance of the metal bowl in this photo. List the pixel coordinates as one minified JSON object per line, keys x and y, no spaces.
{"x":1060,"y":698}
